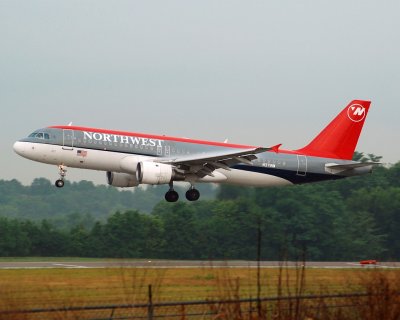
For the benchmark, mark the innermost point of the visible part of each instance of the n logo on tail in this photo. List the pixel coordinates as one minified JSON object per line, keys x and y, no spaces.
{"x":356,"y":112}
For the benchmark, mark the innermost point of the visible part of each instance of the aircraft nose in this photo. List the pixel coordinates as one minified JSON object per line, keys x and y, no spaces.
{"x":19,"y":148}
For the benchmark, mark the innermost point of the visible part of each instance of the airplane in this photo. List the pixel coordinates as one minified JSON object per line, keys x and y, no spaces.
{"x":131,"y":159}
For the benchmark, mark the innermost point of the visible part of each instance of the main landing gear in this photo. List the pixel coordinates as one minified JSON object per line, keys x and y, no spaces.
{"x":62,"y":171}
{"x":191,"y":195}
{"x":171,"y":195}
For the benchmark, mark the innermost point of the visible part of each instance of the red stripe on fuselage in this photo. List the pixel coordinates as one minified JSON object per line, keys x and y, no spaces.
{"x":150,"y":136}
{"x":168,"y":138}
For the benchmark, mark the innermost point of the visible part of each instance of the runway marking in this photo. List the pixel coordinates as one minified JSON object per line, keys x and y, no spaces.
{"x":70,"y":266}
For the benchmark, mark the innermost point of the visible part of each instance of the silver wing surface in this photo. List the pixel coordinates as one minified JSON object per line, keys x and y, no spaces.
{"x":204,"y":164}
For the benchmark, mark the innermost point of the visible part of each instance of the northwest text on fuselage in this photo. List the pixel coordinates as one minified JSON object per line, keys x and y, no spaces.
{"x":116,"y":138}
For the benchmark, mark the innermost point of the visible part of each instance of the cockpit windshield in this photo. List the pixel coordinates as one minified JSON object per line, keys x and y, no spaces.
{"x":39,"y":135}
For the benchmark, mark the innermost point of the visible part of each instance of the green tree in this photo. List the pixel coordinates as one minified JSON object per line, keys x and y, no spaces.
{"x":13,"y":240}
{"x":52,"y":242}
{"x":179,"y":230}
{"x":132,"y":234}
{"x":78,"y":242}
{"x":384,"y":207}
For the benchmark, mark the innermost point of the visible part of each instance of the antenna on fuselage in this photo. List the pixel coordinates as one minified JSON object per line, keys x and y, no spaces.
{"x":70,"y":124}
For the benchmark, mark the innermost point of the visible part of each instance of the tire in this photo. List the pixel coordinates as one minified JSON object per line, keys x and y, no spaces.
{"x":172,"y":196}
{"x":59,"y":183}
{"x":192,"y":195}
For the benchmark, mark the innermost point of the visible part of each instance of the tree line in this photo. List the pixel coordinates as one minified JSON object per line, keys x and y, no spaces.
{"x":349,"y":219}
{"x":78,"y":202}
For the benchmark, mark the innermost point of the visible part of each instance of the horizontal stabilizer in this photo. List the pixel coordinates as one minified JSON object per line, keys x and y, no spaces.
{"x":335,"y":168}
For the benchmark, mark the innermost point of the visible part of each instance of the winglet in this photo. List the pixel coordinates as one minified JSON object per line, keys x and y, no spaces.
{"x":276,"y":148}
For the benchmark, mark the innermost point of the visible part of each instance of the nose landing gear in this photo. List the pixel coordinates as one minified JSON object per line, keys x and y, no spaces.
{"x":59,"y":183}
{"x":62,"y":171}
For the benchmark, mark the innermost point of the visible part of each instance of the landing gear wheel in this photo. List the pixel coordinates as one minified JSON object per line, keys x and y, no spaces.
{"x":62,"y":171}
{"x":172,"y":196}
{"x":192,"y":194}
{"x":59,"y":183}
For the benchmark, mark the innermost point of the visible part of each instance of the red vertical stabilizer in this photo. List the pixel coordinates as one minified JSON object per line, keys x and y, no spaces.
{"x":339,"y":139}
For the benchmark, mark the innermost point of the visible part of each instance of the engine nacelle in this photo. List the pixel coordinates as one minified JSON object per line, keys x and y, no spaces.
{"x":122,"y":180}
{"x":129,"y":164}
{"x":156,"y":173}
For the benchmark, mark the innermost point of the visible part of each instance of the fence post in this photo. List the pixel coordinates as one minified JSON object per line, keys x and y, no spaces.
{"x":150,"y":308}
{"x":112,"y":314}
{"x":259,"y":267}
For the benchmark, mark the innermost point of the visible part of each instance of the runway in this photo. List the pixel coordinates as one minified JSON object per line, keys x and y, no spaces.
{"x":159,"y":264}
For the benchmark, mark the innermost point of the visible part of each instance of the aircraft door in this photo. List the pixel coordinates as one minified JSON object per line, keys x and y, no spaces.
{"x":167,"y":150}
{"x":302,"y":165}
{"x":68,"y":139}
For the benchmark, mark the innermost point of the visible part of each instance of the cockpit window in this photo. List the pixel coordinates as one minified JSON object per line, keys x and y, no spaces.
{"x":39,"y":135}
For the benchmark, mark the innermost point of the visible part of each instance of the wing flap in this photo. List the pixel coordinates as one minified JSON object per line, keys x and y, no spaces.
{"x":204,"y":164}
{"x":215,"y":156}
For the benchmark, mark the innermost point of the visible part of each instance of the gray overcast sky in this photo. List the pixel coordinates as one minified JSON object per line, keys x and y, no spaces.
{"x":256,"y":72}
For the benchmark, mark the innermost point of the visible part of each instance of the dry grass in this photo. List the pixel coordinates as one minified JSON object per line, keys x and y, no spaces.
{"x":57,"y":288}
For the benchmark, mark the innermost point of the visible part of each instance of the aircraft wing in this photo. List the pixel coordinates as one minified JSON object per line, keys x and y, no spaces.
{"x":204,"y":164}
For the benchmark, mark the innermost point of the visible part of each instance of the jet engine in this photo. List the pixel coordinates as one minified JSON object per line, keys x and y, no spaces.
{"x":129,"y":164}
{"x":122,"y":180}
{"x":157,"y":173}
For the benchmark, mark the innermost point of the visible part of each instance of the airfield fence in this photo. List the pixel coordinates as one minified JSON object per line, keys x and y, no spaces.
{"x":359,"y":305}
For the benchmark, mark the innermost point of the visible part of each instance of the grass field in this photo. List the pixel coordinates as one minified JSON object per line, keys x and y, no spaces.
{"x":29,"y":288}
{"x":61,"y":288}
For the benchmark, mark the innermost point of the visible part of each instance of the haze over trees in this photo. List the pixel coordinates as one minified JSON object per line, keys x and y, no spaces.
{"x":349,"y":219}
{"x":78,"y":202}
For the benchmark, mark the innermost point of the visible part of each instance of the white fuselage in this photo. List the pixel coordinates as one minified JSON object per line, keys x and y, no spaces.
{"x":119,"y":162}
